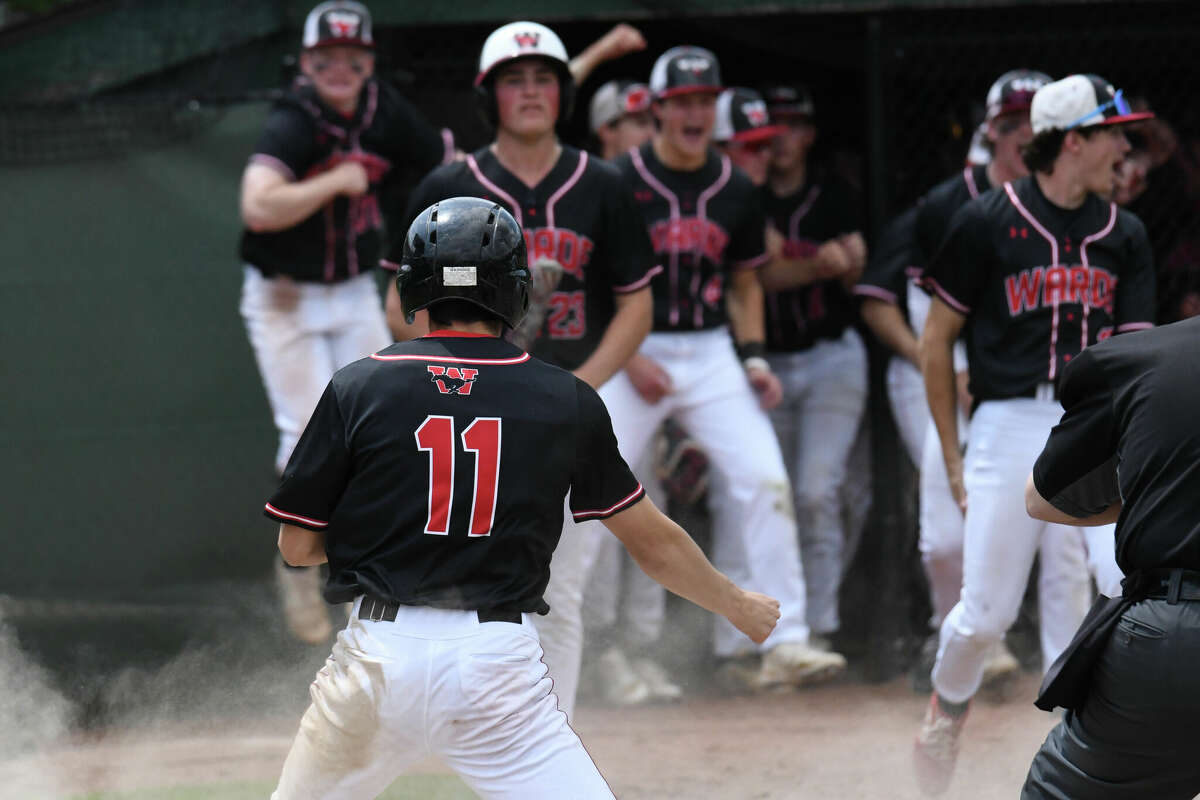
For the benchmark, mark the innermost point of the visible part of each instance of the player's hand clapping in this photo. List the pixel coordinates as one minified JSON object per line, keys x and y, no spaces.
{"x":755,"y":615}
{"x":649,"y":379}
{"x":833,"y":260}
{"x":352,"y":178}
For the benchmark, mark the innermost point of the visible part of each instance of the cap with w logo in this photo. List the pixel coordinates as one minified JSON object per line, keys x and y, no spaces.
{"x":742,"y":117}
{"x":685,"y":69}
{"x":520,"y":40}
{"x":339,"y":22}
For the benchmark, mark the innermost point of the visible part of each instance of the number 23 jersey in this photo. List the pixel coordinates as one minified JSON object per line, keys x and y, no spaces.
{"x":437,"y":470}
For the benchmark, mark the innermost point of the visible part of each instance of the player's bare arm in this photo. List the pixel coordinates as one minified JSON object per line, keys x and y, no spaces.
{"x":621,"y":339}
{"x":649,"y":378}
{"x":830,"y":261}
{"x":745,"y":306}
{"x":398,"y":324}
{"x":1039,"y":507}
{"x":621,"y":40}
{"x":937,"y":366}
{"x":301,"y":547}
{"x":666,"y":553}
{"x":270,"y":202}
{"x":889,"y":326}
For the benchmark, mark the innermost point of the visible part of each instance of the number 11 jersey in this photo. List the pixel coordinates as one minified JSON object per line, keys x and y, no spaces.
{"x":437,"y":470}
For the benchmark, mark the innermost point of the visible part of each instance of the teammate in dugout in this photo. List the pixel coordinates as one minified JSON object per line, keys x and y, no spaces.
{"x":1034,"y":272}
{"x":437,"y":501}
{"x":309,"y":201}
{"x":706,"y":224}
{"x":591,"y":259}
{"x":812,"y":345}
{"x":895,"y":308}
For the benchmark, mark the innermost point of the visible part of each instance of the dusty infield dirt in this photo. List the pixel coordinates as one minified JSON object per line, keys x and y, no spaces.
{"x":842,"y":741}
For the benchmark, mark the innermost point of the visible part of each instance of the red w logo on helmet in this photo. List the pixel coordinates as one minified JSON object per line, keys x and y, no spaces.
{"x":756,"y":113}
{"x":342,"y":25}
{"x":527,"y":40}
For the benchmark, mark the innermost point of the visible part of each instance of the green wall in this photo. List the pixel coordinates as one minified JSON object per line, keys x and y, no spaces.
{"x":135,"y":441}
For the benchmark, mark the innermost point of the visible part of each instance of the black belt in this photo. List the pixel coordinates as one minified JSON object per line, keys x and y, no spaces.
{"x":1171,"y":585}
{"x":380,"y":611}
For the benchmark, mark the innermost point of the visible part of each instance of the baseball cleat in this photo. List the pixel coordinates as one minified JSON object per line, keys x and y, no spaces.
{"x":662,"y":688}
{"x":622,"y":685}
{"x":798,"y":664}
{"x":303,"y":608}
{"x":935,"y":750}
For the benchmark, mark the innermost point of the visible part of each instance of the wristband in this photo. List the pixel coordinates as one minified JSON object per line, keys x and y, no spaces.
{"x":747,"y":350}
{"x":756,"y":362}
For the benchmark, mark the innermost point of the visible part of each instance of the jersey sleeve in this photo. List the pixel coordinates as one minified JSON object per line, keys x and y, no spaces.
{"x":602,"y":484}
{"x":287,"y":143}
{"x":1134,"y":305}
{"x":631,"y":259}
{"x":748,"y":242}
{"x":1077,"y":470}
{"x":886,"y":275}
{"x":959,"y":269}
{"x":317,"y":473}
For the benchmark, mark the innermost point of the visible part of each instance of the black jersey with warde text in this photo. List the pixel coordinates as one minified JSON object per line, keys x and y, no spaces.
{"x":437,"y":470}
{"x":303,"y":138}
{"x":580,"y":215}
{"x":937,"y":207}
{"x":822,"y":209}
{"x":1132,"y":401}
{"x":890,"y":268}
{"x":1039,"y":283}
{"x":702,"y":225}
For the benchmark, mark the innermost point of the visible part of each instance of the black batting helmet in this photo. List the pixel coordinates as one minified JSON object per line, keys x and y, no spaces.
{"x":465,"y":248}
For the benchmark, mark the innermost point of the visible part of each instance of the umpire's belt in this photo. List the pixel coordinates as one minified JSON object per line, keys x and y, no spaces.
{"x":380,"y":611}
{"x":1171,"y":585}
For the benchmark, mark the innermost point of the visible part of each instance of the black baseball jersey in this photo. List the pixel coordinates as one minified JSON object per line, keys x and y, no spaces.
{"x":702,"y":225}
{"x":303,"y":138}
{"x":891,"y":267}
{"x":936,"y":208}
{"x":1039,"y":283}
{"x":822,"y":209}
{"x":437,"y":470}
{"x":1132,"y":402}
{"x":582,"y":216}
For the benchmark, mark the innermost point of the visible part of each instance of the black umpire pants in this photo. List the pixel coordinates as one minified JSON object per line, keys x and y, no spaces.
{"x":1136,"y":735}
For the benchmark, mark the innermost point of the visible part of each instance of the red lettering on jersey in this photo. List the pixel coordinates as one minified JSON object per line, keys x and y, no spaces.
{"x":690,"y":234}
{"x":570,"y":249}
{"x":567,"y":318}
{"x":1103,"y":289}
{"x":453,"y":380}
{"x":1054,"y":286}
{"x":1104,"y":333}
{"x":1022,"y":290}
{"x":713,"y":291}
{"x":1077,"y":292}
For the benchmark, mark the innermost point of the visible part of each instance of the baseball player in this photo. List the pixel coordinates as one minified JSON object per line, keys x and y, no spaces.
{"x":432,"y":478}
{"x":310,"y":204}
{"x":706,"y":224}
{"x":591,"y":258}
{"x":896,"y":309}
{"x":743,"y":131}
{"x":1033,"y":272}
{"x":624,"y":610}
{"x":812,"y":345}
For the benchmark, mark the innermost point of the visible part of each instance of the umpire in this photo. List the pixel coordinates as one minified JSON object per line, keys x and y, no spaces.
{"x":1128,"y":449}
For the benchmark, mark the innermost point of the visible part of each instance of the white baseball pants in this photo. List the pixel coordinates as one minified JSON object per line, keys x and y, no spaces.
{"x":824,"y":393}
{"x":754,"y":529}
{"x":436,"y":682}
{"x":999,"y":544}
{"x":301,"y":334}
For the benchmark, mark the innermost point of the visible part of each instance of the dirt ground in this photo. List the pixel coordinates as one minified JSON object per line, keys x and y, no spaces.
{"x":848,"y":740}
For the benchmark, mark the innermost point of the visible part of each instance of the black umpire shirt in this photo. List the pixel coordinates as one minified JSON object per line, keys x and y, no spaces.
{"x":580,"y":215}
{"x":1130,"y":431}
{"x":302,"y":138}
{"x":1040,"y":283}
{"x":702,"y":224}
{"x":822,"y":209}
{"x":437,"y":469}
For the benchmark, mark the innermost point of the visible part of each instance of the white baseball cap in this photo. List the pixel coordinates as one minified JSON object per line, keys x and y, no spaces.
{"x":615,"y":99}
{"x":520,"y":40}
{"x":1080,"y":101}
{"x":339,"y":22}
